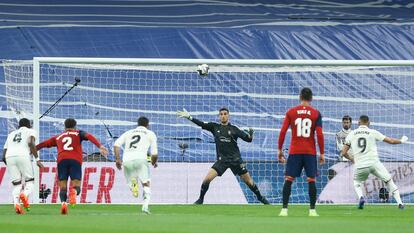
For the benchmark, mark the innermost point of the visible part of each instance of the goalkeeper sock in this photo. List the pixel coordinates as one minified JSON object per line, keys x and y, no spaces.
{"x":256,"y":191}
{"x":63,"y":194}
{"x":394,"y":190}
{"x":312,"y":194}
{"x":147,"y":195}
{"x":287,"y":187}
{"x":77,"y":188}
{"x":204,"y":188}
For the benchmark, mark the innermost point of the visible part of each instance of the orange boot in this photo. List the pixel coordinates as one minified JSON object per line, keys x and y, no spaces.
{"x":18,"y":209}
{"x":25,"y":201}
{"x":64,"y":208}
{"x":72,"y":197}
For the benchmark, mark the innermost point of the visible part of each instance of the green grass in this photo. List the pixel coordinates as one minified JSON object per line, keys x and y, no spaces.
{"x":207,"y":218}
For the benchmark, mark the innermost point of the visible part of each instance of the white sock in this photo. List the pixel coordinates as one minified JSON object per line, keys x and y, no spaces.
{"x":16,"y":193}
{"x":147,"y":196}
{"x":28,"y":188}
{"x":358,"y":189}
{"x":393,"y":189}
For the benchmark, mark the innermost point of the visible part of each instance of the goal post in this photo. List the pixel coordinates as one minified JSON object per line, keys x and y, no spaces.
{"x":113,"y":92}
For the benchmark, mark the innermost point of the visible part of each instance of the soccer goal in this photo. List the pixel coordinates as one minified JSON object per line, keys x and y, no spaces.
{"x":107,"y":95}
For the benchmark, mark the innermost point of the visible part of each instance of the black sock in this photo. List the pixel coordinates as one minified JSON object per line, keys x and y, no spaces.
{"x":312,"y":194}
{"x":204,"y":188}
{"x":77,"y":188}
{"x":63,"y":194}
{"x":287,"y":187}
{"x":256,"y":191}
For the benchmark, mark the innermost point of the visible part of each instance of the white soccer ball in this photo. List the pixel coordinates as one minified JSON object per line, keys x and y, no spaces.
{"x":202,"y":69}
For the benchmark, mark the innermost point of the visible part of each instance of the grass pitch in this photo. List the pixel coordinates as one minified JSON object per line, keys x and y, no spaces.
{"x":208,"y":219}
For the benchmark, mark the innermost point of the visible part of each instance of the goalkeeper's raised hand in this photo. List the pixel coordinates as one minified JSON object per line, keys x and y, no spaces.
{"x":184,"y":114}
{"x":249,"y":131}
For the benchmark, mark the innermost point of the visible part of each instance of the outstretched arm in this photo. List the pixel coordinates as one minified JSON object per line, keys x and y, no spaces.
{"x":246,"y":135}
{"x":186,"y":115}
{"x":51,"y":142}
{"x":395,"y":140}
{"x":91,"y":138}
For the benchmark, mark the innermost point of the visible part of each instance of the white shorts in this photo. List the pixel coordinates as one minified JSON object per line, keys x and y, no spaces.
{"x":138,"y":169}
{"x":378,"y":170}
{"x":20,"y":168}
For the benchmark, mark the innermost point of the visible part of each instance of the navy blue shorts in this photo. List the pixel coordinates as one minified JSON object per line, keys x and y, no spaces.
{"x":69,"y":168}
{"x":296,"y":163}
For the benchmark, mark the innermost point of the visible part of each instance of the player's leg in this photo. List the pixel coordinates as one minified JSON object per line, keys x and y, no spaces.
{"x":217,"y":169}
{"x":310,"y":165}
{"x":294,"y":168}
{"x":382,"y":173}
{"x":130,"y":174}
{"x":16,"y":180}
{"x":26,"y":168}
{"x":144,"y":176}
{"x":75,"y":174}
{"x":63,"y":175}
{"x":241,"y":170}
{"x":360,"y":175}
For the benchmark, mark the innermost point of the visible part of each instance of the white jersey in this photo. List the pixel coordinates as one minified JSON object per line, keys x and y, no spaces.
{"x":340,"y":141}
{"x":17,"y":143}
{"x":136,"y":143}
{"x":363,"y":142}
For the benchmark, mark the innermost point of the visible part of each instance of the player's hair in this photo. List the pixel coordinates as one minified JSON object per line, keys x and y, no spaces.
{"x":224,"y":109}
{"x":364,"y":119}
{"x":346,"y":117}
{"x":143,"y":121}
{"x":306,"y":94}
{"x":24,"y":122}
{"x":70,"y":123}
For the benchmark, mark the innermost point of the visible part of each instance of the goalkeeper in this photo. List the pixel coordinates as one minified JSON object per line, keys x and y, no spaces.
{"x":228,"y":153}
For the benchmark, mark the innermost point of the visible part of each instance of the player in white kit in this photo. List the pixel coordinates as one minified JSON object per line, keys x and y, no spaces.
{"x":136,"y":143}
{"x":365,"y":158}
{"x":16,"y":154}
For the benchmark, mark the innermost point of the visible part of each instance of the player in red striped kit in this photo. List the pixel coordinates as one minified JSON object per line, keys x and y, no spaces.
{"x":69,"y":159}
{"x":304,"y":121}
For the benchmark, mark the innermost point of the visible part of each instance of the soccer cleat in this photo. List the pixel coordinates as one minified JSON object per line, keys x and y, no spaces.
{"x":72,"y":197}
{"x":25,"y":201}
{"x":199,"y":202}
{"x":361,"y":203}
{"x":264,"y":201}
{"x":145,"y":210}
{"x":18,"y":209}
{"x":283,"y":212}
{"x":401,"y":206}
{"x":135,"y":187}
{"x":64,"y":209}
{"x":312,"y":213}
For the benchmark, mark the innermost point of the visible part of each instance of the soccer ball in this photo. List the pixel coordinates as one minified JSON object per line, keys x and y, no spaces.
{"x":203,"y":69}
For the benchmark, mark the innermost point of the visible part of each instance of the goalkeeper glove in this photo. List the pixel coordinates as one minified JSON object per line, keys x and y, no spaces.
{"x":404,"y":139}
{"x":184,"y":114}
{"x":249,"y":131}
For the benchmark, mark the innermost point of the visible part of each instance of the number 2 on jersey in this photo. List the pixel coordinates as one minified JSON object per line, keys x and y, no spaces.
{"x":68,"y":142}
{"x":303,"y":127}
{"x":135,"y":140}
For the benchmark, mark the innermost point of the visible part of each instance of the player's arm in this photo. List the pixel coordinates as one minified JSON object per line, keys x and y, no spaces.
{"x":344,"y":153}
{"x":395,"y":140}
{"x":246,"y":135}
{"x":89,"y":137}
{"x":282,"y":135}
{"x":186,"y":115}
{"x":117,"y":150}
{"x":33,"y":151}
{"x":154,"y":151}
{"x":5,"y":151}
{"x":51,"y":142}
{"x":338,"y":142}
{"x":320,"y":139}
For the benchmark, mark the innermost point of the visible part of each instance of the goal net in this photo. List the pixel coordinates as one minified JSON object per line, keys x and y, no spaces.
{"x":112,"y":94}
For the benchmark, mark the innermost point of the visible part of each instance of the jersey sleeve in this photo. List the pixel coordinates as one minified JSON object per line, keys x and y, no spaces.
{"x":121,"y":140}
{"x":378,"y":136}
{"x":204,"y":125}
{"x":348,"y":140}
{"x":153,"y":146}
{"x":338,"y":142}
{"x":283,"y":131}
{"x":51,"y":142}
{"x":243,"y":135}
{"x":89,"y":137}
